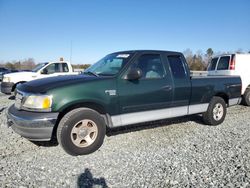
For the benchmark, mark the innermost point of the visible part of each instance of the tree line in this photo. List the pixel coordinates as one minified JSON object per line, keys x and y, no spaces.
{"x":26,"y":64}
{"x":196,"y":61}
{"x":29,"y":64}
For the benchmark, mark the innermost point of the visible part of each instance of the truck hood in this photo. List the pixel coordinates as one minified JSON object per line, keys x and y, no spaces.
{"x":20,"y":74}
{"x":45,"y":84}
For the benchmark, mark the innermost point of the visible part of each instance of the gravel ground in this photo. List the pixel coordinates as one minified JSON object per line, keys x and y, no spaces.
{"x":175,"y":153}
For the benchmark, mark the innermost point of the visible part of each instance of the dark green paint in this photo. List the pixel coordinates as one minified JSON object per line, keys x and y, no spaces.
{"x":137,"y":95}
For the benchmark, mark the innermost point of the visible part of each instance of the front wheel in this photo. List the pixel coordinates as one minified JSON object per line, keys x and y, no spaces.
{"x":81,"y":131}
{"x":216,"y":111}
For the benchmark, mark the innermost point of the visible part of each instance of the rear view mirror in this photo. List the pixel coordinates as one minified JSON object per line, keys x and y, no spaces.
{"x":134,"y":74}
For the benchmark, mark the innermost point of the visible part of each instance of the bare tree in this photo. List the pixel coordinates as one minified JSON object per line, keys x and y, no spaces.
{"x":28,"y":64}
{"x":208,"y":56}
{"x":239,"y":51}
{"x":9,"y":65}
{"x":189,"y":56}
{"x":195,"y":61}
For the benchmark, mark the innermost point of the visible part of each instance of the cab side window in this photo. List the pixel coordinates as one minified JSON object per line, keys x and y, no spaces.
{"x":56,"y":68}
{"x":223,"y":63}
{"x":49,"y":69}
{"x":150,"y":65}
{"x":177,"y":66}
{"x":52,"y":68}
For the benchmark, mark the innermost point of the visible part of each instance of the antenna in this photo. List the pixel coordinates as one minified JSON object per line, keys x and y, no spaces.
{"x":71,"y":51}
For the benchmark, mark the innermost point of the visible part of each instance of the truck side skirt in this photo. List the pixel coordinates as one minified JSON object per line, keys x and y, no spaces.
{"x":153,"y":115}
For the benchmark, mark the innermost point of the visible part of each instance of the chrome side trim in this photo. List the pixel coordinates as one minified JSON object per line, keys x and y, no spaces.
{"x":116,"y":121}
{"x":234,"y":101}
{"x":152,"y":115}
{"x":140,"y":117}
{"x":197,"y":108}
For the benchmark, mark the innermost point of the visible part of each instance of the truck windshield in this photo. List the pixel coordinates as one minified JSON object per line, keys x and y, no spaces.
{"x":39,"y":66}
{"x":110,"y":65}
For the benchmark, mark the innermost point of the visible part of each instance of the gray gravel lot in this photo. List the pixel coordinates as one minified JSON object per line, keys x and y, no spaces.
{"x":180,"y":152}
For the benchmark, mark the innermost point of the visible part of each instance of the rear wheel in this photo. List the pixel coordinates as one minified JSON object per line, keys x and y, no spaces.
{"x":81,"y":131}
{"x":216,"y":112}
{"x":246,"y":98}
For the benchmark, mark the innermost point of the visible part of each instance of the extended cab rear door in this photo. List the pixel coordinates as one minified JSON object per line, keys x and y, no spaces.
{"x":181,"y":82}
{"x":145,"y":99}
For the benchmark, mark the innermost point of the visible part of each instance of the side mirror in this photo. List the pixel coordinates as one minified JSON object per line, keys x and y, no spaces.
{"x":134,"y":74}
{"x":44,"y":71}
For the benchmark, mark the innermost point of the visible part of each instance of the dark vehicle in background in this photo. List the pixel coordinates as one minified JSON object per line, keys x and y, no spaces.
{"x":2,"y":72}
{"x":123,"y":88}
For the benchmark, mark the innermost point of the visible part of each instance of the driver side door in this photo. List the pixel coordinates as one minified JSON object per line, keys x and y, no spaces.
{"x":141,"y":99}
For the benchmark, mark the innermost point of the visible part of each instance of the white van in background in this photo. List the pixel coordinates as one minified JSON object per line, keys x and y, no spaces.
{"x":233,"y":64}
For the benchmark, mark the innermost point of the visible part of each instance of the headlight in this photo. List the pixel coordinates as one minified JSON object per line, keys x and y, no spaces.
{"x":6,"y":79}
{"x":38,"y":102}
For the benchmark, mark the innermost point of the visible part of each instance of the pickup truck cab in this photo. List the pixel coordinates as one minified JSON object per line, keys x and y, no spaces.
{"x":233,"y":64}
{"x":42,"y":70}
{"x":123,"y":88}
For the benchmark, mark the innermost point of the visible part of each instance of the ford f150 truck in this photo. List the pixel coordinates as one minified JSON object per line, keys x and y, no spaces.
{"x":42,"y":70}
{"x":123,"y":88}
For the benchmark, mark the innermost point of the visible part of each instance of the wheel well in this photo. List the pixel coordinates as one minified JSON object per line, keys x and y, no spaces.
{"x":97,"y":107}
{"x":14,"y":86}
{"x":223,"y":96}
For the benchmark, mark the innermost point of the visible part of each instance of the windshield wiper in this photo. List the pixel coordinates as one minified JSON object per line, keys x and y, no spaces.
{"x":103,"y":74}
{"x":93,"y":73}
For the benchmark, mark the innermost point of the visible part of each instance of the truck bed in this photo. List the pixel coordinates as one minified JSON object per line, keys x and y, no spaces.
{"x":204,"y":87}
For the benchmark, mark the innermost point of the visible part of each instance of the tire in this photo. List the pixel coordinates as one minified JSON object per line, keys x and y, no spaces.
{"x":246,"y":98}
{"x":81,"y":131}
{"x":216,"y":112}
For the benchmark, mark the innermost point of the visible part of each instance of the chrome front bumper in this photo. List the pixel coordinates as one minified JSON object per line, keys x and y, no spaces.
{"x":32,"y":125}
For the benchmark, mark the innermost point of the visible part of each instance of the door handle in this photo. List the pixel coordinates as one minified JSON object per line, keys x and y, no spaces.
{"x":167,"y":88}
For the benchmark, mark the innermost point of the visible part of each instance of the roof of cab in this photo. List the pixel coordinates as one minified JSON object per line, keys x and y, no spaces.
{"x":148,"y":51}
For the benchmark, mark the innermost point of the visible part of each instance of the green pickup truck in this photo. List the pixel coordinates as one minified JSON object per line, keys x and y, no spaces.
{"x":123,"y":88}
